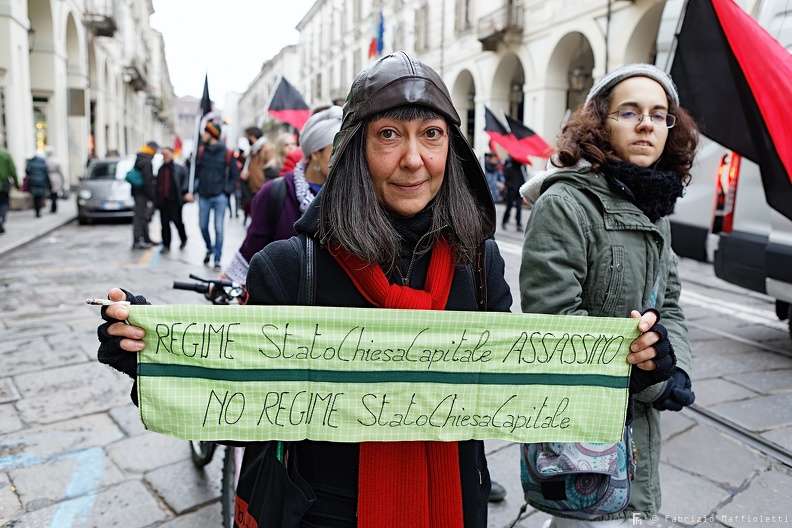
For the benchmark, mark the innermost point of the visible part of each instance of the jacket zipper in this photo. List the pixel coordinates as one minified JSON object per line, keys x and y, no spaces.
{"x":405,"y":279}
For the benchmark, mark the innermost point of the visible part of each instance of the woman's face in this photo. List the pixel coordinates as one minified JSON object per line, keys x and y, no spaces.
{"x":321,"y":158}
{"x":407,"y":162}
{"x":289,"y":144}
{"x":641,"y":144}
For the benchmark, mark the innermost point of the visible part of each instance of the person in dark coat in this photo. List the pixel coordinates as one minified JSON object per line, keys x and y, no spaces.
{"x":404,"y":189}
{"x":171,"y":188}
{"x":216,"y":175}
{"x":514,"y":177}
{"x":38,"y":181}
{"x":143,"y":195}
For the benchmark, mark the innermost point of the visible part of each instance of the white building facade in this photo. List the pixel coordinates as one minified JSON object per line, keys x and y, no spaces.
{"x":531,"y":59}
{"x":82,"y":76}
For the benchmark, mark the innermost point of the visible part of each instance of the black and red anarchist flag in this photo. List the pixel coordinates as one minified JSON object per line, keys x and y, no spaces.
{"x":503,"y":137}
{"x":533,"y":144}
{"x":288,"y":105}
{"x":736,"y":81}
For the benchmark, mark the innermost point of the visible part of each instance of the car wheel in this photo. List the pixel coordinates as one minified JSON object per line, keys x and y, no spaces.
{"x":83,"y":220}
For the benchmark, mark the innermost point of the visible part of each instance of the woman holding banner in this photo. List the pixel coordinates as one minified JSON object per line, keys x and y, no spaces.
{"x":598,"y":240}
{"x":404,"y":220}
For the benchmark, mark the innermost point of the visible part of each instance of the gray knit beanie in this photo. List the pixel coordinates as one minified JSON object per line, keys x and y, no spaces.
{"x":635,"y":70}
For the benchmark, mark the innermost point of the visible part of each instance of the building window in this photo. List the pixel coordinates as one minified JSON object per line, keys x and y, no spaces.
{"x":318,"y":86}
{"x":398,"y":37}
{"x":462,"y":16}
{"x":356,"y":11}
{"x":422,"y":28}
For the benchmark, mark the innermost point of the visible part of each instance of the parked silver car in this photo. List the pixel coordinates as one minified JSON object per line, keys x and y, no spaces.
{"x":103,"y":192}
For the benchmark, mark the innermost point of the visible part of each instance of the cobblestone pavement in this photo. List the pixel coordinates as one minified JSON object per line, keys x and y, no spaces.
{"x":73,"y":453}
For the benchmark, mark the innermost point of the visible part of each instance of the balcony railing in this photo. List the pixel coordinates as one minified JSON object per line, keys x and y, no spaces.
{"x":503,"y":26}
{"x":100,"y":17}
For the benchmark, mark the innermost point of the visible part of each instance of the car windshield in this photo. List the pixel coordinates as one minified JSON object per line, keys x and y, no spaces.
{"x":102,"y":171}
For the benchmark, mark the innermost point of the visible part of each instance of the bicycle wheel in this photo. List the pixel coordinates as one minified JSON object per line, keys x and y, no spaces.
{"x":231,"y":461}
{"x":201,"y":452}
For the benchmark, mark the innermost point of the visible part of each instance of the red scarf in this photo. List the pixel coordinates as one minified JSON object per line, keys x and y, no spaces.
{"x":407,"y":484}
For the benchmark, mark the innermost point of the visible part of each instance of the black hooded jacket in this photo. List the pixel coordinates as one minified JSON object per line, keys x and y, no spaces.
{"x":331,"y":469}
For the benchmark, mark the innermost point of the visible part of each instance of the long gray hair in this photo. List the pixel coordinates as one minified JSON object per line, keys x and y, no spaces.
{"x":352,"y":216}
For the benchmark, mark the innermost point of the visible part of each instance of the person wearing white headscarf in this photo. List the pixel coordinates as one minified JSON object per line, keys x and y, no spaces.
{"x":301,"y":187}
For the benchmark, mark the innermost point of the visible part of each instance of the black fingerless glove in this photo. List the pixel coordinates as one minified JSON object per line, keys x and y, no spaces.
{"x":110,"y":351}
{"x":677,"y":393}
{"x":665,"y":360}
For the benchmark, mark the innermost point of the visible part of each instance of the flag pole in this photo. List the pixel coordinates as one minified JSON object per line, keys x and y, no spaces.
{"x":204,"y":109}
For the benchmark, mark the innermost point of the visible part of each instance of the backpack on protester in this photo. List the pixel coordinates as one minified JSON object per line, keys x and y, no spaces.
{"x":135,"y":178}
{"x":577,"y":479}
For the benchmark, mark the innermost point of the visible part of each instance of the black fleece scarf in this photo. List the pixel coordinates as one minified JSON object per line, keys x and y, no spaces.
{"x":654,"y":192}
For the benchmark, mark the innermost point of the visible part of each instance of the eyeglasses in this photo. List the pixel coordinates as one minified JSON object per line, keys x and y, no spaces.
{"x":633,"y":118}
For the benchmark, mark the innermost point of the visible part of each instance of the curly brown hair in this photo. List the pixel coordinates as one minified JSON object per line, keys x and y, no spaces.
{"x":584,"y":136}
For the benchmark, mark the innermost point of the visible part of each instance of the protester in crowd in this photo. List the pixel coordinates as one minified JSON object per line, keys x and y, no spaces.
{"x":143,"y":195}
{"x":253,"y":171}
{"x":405,"y":194}
{"x":598,"y":239}
{"x":38,"y":182}
{"x":301,"y":186}
{"x":292,"y":159}
{"x":285,"y":143}
{"x":55,"y":176}
{"x":171,"y":188}
{"x":8,"y":177}
{"x":514,"y":177}
{"x":494,"y":174}
{"x":216,"y":174}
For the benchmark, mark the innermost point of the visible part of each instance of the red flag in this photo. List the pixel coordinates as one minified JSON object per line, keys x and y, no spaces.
{"x":288,"y":105}
{"x":177,"y":146}
{"x":533,"y":144}
{"x":734,"y":78}
{"x":500,"y":135}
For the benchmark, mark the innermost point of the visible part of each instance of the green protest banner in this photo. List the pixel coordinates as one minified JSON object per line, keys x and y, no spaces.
{"x":356,"y":375}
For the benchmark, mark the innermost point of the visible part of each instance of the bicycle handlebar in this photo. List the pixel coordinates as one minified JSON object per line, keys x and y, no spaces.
{"x":191,"y":286}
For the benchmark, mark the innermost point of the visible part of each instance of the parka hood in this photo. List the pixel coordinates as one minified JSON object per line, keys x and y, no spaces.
{"x":400,"y":79}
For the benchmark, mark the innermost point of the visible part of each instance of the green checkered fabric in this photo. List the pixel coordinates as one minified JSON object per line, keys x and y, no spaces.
{"x":357,"y":375}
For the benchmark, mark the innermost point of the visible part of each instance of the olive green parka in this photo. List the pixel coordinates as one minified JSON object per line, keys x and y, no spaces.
{"x":590,"y":251}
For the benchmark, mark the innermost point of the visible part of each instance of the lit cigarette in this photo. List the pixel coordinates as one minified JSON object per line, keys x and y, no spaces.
{"x":104,"y":302}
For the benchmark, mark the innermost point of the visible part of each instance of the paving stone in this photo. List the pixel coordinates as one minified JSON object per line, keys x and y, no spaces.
{"x":38,"y":444}
{"x":766,"y":382}
{"x":209,"y":516}
{"x":767,"y":496}
{"x":128,"y":419}
{"x":713,"y":391}
{"x":8,"y":391}
{"x":9,"y":419}
{"x":686,"y":495}
{"x":30,"y":355}
{"x":673,"y":423}
{"x":781,"y":437}
{"x":66,"y":476}
{"x":9,"y":502}
{"x":69,"y":404}
{"x":759,"y":414}
{"x":504,"y":467}
{"x":148,"y":451}
{"x":701,"y":451}
{"x":128,"y":505}
{"x":183,"y":486}
{"x":61,"y":379}
{"x":534,"y":519}
{"x":714,"y":363}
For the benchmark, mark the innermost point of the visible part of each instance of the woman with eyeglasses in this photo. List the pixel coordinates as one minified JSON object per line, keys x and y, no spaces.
{"x":598,"y":241}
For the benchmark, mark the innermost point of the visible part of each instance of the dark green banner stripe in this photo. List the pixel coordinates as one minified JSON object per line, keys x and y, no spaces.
{"x":332,"y":376}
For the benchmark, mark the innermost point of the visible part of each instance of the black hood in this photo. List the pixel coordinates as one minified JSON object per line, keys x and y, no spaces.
{"x":400,"y":79}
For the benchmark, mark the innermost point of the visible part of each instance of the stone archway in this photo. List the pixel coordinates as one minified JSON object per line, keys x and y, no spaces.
{"x":641,"y":43}
{"x":43,"y":78}
{"x":77,"y":103}
{"x":463,"y":94}
{"x":570,"y":66}
{"x":508,"y":86}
